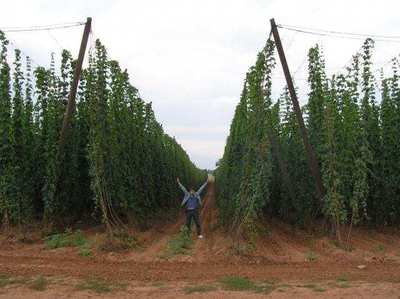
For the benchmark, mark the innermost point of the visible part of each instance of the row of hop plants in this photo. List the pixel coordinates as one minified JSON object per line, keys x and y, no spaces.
{"x":118,"y":166}
{"x":353,"y":123}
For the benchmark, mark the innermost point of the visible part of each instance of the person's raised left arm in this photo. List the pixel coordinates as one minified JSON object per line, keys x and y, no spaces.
{"x":202,"y":188}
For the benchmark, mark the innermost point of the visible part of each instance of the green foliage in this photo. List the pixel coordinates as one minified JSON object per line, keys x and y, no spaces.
{"x":179,"y":244}
{"x":311,"y":256}
{"x":264,"y":170}
{"x":203,"y":288}
{"x":6,"y":280}
{"x":85,"y":251}
{"x":238,"y":283}
{"x":96,"y":285}
{"x":39,"y":284}
{"x":246,"y":166}
{"x":67,"y":239}
{"x":100,"y":286}
{"x":118,"y":165}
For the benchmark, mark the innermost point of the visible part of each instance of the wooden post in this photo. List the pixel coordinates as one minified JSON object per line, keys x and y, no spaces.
{"x":74,"y":87}
{"x":71,"y":104}
{"x":312,"y":159}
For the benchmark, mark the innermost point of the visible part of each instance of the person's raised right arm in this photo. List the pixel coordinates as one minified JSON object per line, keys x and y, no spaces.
{"x":181,"y":186}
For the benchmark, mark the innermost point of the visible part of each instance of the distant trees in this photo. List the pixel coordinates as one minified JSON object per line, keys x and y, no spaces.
{"x":355,"y":136}
{"x":119,"y":165}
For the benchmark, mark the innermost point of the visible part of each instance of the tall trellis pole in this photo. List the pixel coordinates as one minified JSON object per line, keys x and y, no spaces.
{"x":71,"y":104}
{"x":311,"y":156}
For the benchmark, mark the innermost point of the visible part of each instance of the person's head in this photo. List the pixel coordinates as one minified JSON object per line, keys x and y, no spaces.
{"x":191,"y":190}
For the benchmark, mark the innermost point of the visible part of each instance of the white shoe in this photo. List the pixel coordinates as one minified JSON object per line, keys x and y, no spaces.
{"x":200,"y":236}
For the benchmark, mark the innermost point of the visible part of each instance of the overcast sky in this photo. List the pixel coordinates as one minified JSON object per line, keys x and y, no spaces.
{"x":190,"y":57}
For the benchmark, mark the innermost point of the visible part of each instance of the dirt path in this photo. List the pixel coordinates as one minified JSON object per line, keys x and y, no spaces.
{"x":281,"y":256}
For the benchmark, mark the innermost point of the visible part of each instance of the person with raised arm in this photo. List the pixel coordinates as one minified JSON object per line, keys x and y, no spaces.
{"x":192,"y":203}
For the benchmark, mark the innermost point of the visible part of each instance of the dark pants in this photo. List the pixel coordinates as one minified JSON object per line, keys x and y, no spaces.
{"x":193,"y":214}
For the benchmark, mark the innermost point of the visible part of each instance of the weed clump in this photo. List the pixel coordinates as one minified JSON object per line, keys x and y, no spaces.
{"x":66,"y":239}
{"x":39,"y":284}
{"x":199,"y":289}
{"x":179,"y":244}
{"x":100,"y":286}
{"x":237,"y":283}
{"x":121,"y":240}
{"x":311,"y":256}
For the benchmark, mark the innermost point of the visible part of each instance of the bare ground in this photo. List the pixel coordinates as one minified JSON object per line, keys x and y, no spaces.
{"x":292,"y":261}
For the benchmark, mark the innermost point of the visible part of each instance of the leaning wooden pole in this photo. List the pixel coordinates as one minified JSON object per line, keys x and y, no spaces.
{"x":71,"y":104}
{"x":312,"y":159}
{"x":74,"y":87}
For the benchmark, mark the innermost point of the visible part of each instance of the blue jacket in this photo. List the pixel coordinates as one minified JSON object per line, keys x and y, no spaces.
{"x":187,"y":194}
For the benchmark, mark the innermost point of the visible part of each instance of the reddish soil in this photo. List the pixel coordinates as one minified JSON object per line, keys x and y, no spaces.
{"x":282,"y":255}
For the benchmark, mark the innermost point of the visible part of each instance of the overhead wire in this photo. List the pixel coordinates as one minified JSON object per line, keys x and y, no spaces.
{"x":14,"y":45}
{"x":55,"y":39}
{"x":42,"y":27}
{"x":46,"y":28}
{"x":340,"y":34}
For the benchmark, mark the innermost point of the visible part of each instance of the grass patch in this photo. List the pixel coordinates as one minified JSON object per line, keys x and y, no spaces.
{"x":158,"y":284}
{"x":308,"y":285}
{"x":319,"y":289}
{"x":311,"y":256}
{"x":85,"y":251}
{"x":67,"y":239}
{"x":199,"y":289}
{"x":39,"y":284}
{"x":120,"y":241}
{"x":314,"y":287}
{"x":6,"y":280}
{"x":342,"y":278}
{"x":343,"y":284}
{"x":380,"y":248}
{"x":243,"y":248}
{"x":179,"y":244}
{"x":237,"y":283}
{"x":100,"y":286}
{"x":95,"y":285}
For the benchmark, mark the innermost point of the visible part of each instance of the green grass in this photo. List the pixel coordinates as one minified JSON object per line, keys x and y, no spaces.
{"x":85,"y":251}
{"x":341,"y":278}
{"x":100,"y":286}
{"x":120,"y":241}
{"x":237,"y":283}
{"x":95,"y":285}
{"x":39,"y":284}
{"x":179,"y":244}
{"x":199,"y":289}
{"x":314,"y":287}
{"x":67,"y":239}
{"x":158,"y":284}
{"x":6,"y":280}
{"x":311,"y":256}
{"x":343,"y":284}
{"x":319,"y":289}
{"x":380,"y":248}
